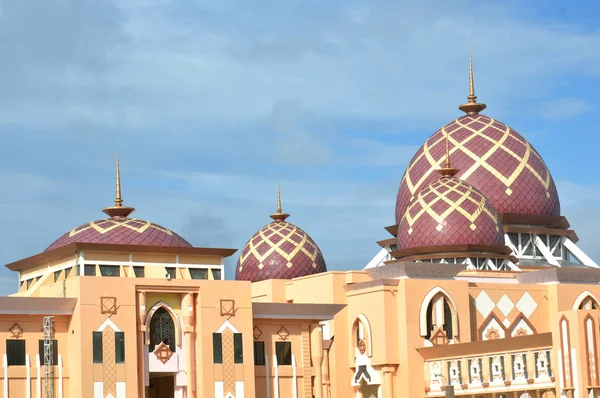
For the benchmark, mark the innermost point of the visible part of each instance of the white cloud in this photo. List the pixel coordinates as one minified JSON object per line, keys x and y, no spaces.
{"x":564,"y":108}
{"x":163,"y":61}
{"x":210,"y":103}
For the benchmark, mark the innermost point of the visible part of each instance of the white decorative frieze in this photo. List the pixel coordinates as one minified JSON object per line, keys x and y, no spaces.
{"x":505,"y":305}
{"x":526,"y":304}
{"x":484,"y":304}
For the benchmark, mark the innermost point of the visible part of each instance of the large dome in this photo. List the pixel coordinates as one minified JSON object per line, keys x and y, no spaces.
{"x":121,"y":231}
{"x":449,"y":212}
{"x":279,"y":250}
{"x":493,"y":158}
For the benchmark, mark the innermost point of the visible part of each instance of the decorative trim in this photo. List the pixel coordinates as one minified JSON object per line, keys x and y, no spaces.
{"x":582,"y":296}
{"x":47,"y":271}
{"x":219,"y":388}
{"x":516,"y":322}
{"x":107,"y":323}
{"x":565,"y":343}
{"x":108,"y":305}
{"x":485,"y":323}
{"x":367,"y":329}
{"x":227,"y":325}
{"x":228,"y":307}
{"x":256,"y":332}
{"x":295,"y":378}
{"x":163,"y":353}
{"x":423,"y":311}
{"x":145,"y":264}
{"x":98,"y":389}
{"x":121,"y":389}
{"x":275,"y":377}
{"x":123,"y":263}
{"x":239,"y":389}
{"x":267,"y":378}
{"x":16,"y":331}
{"x":283,"y":333}
{"x":591,"y":351}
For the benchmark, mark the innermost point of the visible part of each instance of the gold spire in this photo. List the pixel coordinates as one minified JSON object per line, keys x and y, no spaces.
{"x":118,"y":200}
{"x":118,"y":210}
{"x":279,"y":216}
{"x":472,"y":107}
{"x":447,"y":171}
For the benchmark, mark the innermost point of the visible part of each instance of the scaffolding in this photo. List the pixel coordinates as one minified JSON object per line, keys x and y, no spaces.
{"x":48,"y":356}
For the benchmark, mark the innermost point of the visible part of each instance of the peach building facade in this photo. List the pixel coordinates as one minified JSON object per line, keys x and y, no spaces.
{"x":481,"y":291}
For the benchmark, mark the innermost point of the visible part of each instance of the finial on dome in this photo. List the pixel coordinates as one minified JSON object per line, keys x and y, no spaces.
{"x":118,"y":210}
{"x":447,"y":171}
{"x":472,"y":107}
{"x":279,"y":216}
{"x":118,"y":199}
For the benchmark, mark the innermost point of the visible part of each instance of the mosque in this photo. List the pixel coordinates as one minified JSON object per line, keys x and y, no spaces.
{"x":479,"y":291}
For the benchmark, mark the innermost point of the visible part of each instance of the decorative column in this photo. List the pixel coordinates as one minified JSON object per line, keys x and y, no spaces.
{"x":187,"y":311}
{"x":326,"y":376}
{"x":316,"y":348}
{"x":530,"y":358}
{"x":141,"y":343}
{"x":388,"y":387}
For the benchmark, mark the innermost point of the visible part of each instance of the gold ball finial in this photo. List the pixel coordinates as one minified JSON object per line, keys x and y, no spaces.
{"x":472,"y":107}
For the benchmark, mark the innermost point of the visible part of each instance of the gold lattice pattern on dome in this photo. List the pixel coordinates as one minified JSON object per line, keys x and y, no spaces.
{"x":285,"y":231}
{"x":441,"y":191}
{"x":479,"y":161}
{"x":105,"y":226}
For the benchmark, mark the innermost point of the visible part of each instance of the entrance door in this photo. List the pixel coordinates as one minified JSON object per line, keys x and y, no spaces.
{"x":161,"y":387}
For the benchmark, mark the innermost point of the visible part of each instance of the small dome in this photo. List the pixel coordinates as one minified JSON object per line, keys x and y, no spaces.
{"x":121,"y":231}
{"x":279,"y":250}
{"x":493,"y":158}
{"x":449,"y":212}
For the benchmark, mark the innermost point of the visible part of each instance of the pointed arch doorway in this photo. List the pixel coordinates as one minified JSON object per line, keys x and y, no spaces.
{"x":163,"y":346}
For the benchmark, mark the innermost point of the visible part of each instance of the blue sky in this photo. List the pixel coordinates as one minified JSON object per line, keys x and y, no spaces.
{"x":210,"y":102}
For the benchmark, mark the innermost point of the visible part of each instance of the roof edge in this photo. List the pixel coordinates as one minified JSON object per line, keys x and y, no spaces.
{"x":37,"y":305}
{"x":316,"y":312}
{"x":72,"y":248}
{"x":496,"y":249}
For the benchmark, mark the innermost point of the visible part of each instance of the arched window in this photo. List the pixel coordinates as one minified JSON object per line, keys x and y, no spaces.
{"x":162,"y":329}
{"x":362,"y":336}
{"x":588,"y":303}
{"x":439,"y":320}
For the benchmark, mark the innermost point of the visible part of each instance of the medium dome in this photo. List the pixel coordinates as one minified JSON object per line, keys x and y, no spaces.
{"x":121,"y":231}
{"x":279,"y":250}
{"x":493,"y":158}
{"x":449,"y":212}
